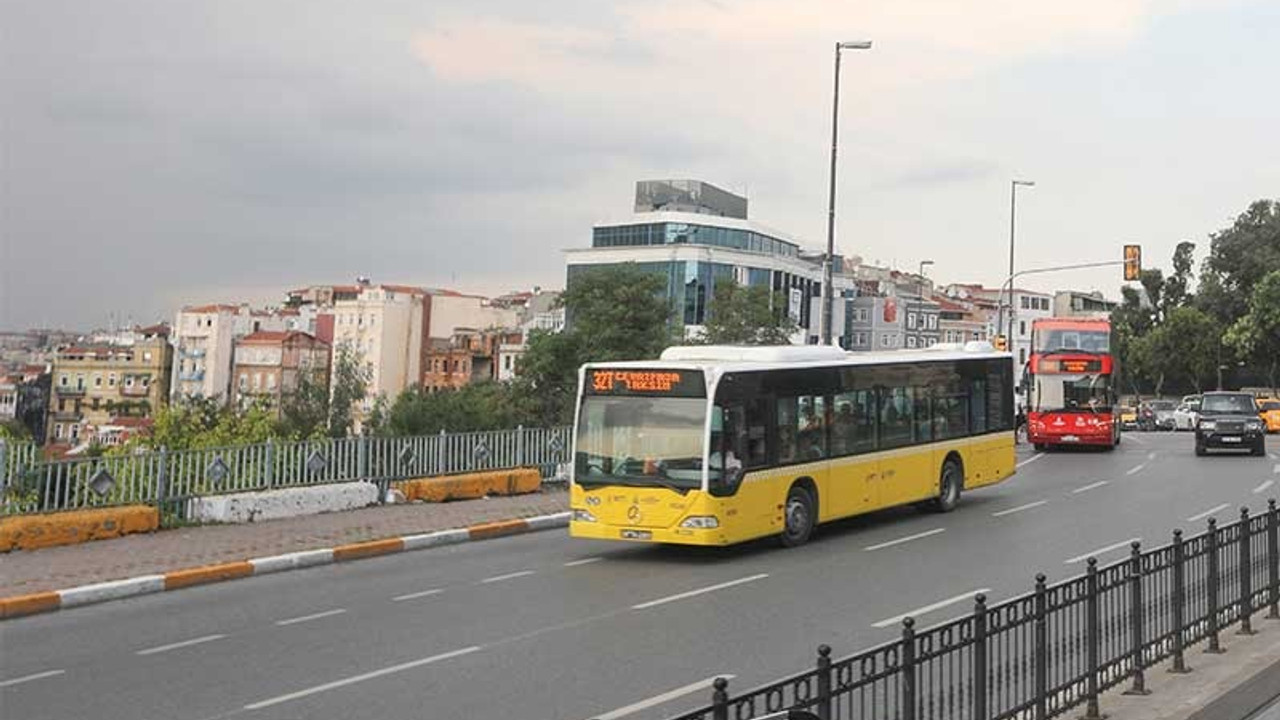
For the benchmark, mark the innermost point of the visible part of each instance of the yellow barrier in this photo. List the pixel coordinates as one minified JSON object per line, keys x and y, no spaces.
{"x":472,"y":485}
{"x":30,"y":532}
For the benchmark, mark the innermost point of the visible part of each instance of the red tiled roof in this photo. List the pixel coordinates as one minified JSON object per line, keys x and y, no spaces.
{"x":217,"y":307}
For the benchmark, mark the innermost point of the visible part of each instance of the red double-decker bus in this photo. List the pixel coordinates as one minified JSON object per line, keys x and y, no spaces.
{"x":1070,"y":384}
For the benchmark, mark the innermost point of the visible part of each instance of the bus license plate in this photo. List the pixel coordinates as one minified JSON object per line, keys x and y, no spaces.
{"x":637,"y":534}
{"x":1070,"y":438}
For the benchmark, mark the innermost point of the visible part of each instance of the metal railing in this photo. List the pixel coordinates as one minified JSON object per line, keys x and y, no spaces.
{"x":168,"y":479}
{"x":1051,"y":650}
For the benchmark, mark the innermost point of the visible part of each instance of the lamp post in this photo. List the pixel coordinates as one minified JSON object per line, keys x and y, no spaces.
{"x":828,"y":297}
{"x":1013,"y":215}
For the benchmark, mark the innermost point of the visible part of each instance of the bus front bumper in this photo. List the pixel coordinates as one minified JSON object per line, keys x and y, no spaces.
{"x":675,"y":536}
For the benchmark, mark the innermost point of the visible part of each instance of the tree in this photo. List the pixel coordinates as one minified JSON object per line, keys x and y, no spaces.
{"x":618,"y":312}
{"x":1256,"y":335}
{"x":479,"y":406}
{"x":349,"y":386}
{"x":751,"y":315}
{"x":1185,"y":348}
{"x":1177,"y":287}
{"x":14,"y":431}
{"x":1239,"y":257}
{"x":547,"y":377}
{"x":304,"y":413}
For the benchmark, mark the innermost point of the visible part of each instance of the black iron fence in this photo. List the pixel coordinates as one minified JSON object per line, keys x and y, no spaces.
{"x":1049,"y":651}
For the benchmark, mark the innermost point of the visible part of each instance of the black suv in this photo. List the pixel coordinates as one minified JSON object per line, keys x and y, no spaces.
{"x":1230,"y":420}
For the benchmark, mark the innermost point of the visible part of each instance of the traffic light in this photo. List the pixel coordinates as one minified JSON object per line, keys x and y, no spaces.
{"x":1000,"y":343}
{"x":1132,"y":262}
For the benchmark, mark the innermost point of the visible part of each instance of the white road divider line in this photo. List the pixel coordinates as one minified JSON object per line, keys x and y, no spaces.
{"x":1136,"y":470}
{"x":1090,"y":486}
{"x":1211,"y":511}
{"x":313,"y":616}
{"x":1101,"y":551}
{"x":1277,"y":457}
{"x":584,"y":561}
{"x":699,"y":591}
{"x":929,"y":608}
{"x":416,"y":595}
{"x":1030,"y":460}
{"x":184,"y":643}
{"x":1020,"y":508}
{"x":1263,"y":487}
{"x":660,"y":699}
{"x":1151,"y":455}
{"x":29,"y":678}
{"x":906,"y":539}
{"x":361,"y":678}
{"x":508,"y":576}
{"x":1138,"y":440}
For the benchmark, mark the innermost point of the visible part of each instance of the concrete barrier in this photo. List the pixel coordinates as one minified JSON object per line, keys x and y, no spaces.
{"x":30,"y":532}
{"x":472,"y":485}
{"x":283,"y":503}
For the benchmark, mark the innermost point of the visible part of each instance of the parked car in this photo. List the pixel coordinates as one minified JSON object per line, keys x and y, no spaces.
{"x":1184,"y":417}
{"x":1156,"y":415}
{"x":1269,"y":411}
{"x":1128,"y":417}
{"x":1229,"y":420}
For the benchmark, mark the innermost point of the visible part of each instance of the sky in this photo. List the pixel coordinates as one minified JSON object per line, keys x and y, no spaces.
{"x":157,"y":153}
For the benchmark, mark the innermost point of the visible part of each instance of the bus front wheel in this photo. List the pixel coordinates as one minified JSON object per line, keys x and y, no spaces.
{"x":949,"y":485}
{"x":798,"y":516}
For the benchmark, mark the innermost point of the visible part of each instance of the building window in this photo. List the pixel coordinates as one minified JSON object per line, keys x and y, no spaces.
{"x":1022,"y":328}
{"x":146,"y":356}
{"x":244,"y":382}
{"x":1026,"y":302}
{"x":57,"y":431}
{"x":257,"y":381}
{"x":911,"y":321}
{"x":63,"y":381}
{"x":933,"y":322}
{"x":886,"y":340}
{"x":97,"y":380}
{"x":911,"y":341}
{"x":1022,"y":356}
{"x":271,"y":382}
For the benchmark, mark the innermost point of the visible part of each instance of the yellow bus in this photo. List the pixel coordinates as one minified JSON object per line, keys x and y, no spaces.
{"x":718,"y":445}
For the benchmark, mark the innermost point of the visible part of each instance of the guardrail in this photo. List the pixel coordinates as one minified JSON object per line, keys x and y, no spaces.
{"x":168,"y":479}
{"x":1051,"y":650}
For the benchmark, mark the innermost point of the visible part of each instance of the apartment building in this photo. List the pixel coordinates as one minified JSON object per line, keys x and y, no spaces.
{"x":97,"y":384}
{"x":204,"y":340}
{"x":269,"y":364}
{"x":1078,"y":304}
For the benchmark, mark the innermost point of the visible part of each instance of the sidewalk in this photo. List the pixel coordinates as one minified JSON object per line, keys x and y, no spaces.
{"x":23,"y":572}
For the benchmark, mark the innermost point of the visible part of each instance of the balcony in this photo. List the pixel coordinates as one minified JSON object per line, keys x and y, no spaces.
{"x":70,"y":391}
{"x":67,"y":416}
{"x":136,"y":390}
{"x":194,"y":376}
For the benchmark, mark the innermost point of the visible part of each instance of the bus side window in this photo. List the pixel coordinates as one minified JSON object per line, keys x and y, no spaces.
{"x":788,"y":418}
{"x":756,"y":431}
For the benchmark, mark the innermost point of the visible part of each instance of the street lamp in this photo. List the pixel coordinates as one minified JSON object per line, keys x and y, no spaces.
{"x":828,"y":296}
{"x":1013,"y":214}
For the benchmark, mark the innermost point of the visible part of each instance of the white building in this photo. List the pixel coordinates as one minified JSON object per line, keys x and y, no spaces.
{"x":204,"y":337}
{"x":384,"y":325}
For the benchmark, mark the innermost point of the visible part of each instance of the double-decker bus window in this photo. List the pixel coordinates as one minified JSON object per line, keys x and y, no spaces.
{"x":895,"y":417}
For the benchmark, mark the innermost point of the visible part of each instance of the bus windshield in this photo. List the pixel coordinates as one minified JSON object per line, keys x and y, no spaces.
{"x":1058,"y":339}
{"x":641,"y":441}
{"x":1077,"y":393}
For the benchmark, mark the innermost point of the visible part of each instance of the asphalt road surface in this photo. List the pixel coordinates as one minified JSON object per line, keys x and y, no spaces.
{"x":542,"y":627}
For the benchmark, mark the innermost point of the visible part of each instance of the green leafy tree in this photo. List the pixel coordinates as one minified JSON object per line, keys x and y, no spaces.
{"x":478,"y":406}
{"x":618,"y":313}
{"x":1239,"y":257}
{"x":1256,"y":335}
{"x":14,"y":431}
{"x":348,"y":387}
{"x":1184,"y":349}
{"x":304,"y":413}
{"x":751,"y":315}
{"x":1176,"y":291}
{"x":547,"y":378}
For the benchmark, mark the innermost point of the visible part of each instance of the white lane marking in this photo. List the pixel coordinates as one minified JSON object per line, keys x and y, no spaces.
{"x":361,"y":678}
{"x":184,"y":643}
{"x":660,"y":699}
{"x":700,"y":591}
{"x":1100,"y":551}
{"x":1263,"y":487}
{"x":1151,"y":455}
{"x":1276,"y":456}
{"x":584,"y":561}
{"x":1090,"y":486}
{"x":416,"y":595}
{"x":929,"y":608}
{"x":1277,"y":470}
{"x":1020,"y":508}
{"x":1211,"y":511}
{"x":1030,"y":460}
{"x":29,"y":678}
{"x":1135,"y":470}
{"x":313,"y":616}
{"x":906,"y":539}
{"x":508,"y":576}
{"x":1138,"y":440}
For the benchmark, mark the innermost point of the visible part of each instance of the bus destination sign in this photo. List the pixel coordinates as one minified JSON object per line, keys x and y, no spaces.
{"x":675,"y":383}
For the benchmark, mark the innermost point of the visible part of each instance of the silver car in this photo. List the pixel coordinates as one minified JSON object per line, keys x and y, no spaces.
{"x":1187,"y":413}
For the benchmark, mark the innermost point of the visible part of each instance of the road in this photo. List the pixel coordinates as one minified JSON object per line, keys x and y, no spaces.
{"x":545,"y":627}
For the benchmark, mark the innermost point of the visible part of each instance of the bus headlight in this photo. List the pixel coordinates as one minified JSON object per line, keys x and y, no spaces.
{"x":583,"y":516}
{"x":701,"y":522}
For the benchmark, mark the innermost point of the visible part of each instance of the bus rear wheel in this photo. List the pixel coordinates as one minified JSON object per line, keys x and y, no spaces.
{"x":798,"y":516}
{"x":949,"y":484}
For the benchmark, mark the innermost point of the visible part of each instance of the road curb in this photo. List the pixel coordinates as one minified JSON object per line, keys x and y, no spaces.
{"x":42,"y":602}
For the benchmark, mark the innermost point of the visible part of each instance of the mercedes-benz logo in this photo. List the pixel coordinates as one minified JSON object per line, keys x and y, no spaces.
{"x":633,"y":513}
